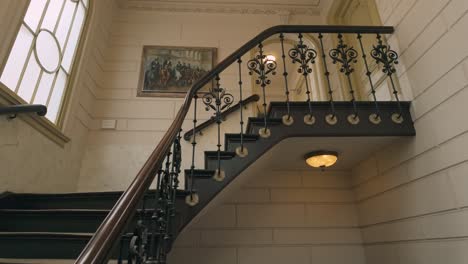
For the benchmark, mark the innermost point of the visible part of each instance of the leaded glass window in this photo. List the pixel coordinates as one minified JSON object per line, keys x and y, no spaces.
{"x":41,"y":59}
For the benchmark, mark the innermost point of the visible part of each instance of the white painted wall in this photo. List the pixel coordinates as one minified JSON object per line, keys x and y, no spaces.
{"x":278,"y":217}
{"x":412,"y":197}
{"x":30,"y":161}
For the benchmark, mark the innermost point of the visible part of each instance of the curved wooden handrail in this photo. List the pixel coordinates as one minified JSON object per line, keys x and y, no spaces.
{"x":99,"y":247}
{"x":223,"y":115}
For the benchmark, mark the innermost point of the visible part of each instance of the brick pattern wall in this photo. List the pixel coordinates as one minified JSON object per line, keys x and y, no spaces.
{"x":297,"y":217}
{"x":412,"y":197}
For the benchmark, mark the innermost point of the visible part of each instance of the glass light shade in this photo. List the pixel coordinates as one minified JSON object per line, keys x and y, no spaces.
{"x":321,"y":159}
{"x":270,"y":58}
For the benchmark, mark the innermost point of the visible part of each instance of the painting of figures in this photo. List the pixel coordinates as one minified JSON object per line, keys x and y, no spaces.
{"x":171,"y":71}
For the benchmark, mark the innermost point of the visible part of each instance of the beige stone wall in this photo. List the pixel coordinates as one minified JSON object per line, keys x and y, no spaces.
{"x":299,"y":217}
{"x":113,"y":157}
{"x":412,"y":197}
{"x":30,"y":161}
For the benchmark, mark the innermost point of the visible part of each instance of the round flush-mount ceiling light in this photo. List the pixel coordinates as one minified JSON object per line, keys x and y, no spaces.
{"x":321,"y":158}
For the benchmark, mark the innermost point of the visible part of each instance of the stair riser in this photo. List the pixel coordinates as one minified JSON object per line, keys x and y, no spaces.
{"x":232,"y":146}
{"x":60,"y":203}
{"x":100,"y":202}
{"x":63,"y":222}
{"x":50,"y":223}
{"x":48,"y":248}
{"x":257,"y":123}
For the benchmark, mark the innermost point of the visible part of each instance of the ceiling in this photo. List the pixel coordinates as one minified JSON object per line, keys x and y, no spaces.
{"x":310,"y":7}
{"x":289,"y":153}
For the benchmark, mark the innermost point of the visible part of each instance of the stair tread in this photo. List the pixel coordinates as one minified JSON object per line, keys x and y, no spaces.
{"x":54,"y":210}
{"x":62,"y":211}
{"x":68,"y":195}
{"x":52,"y":234}
{"x":40,"y":261}
{"x":61,"y":235}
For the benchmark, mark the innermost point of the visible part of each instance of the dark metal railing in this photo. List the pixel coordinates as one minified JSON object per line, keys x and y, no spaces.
{"x":13,"y":110}
{"x":151,"y":238}
{"x":242,"y":103}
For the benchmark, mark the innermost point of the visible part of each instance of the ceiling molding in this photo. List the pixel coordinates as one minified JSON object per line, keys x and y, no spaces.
{"x":226,"y":8}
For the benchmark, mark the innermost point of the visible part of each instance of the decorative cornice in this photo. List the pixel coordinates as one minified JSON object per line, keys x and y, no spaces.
{"x":226,"y":8}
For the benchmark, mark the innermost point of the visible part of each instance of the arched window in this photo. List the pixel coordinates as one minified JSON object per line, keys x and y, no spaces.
{"x":41,"y":59}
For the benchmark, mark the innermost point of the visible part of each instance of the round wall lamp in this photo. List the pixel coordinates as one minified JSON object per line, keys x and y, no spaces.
{"x":321,"y":158}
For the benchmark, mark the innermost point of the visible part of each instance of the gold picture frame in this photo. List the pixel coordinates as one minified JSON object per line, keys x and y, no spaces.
{"x":170,"y":71}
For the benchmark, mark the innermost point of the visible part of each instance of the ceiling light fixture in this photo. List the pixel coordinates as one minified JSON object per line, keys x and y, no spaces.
{"x":270,"y":59}
{"x":321,"y":158}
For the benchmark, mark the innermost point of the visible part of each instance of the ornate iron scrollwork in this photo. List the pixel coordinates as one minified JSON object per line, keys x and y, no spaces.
{"x":345,"y":55}
{"x":304,"y":55}
{"x":217,"y":99}
{"x":262,"y":66}
{"x":385,"y":55}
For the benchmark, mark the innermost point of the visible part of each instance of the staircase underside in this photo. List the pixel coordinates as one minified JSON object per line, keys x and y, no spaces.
{"x":59,"y":226}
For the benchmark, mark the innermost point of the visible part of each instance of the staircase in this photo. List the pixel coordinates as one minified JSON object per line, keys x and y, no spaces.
{"x":58,"y":226}
{"x":141,"y":224}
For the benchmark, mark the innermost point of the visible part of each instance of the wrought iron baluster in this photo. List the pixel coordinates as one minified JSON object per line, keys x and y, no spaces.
{"x":346,"y":56}
{"x":163,"y":206}
{"x":218,"y":100}
{"x":304,"y":55}
{"x":383,"y":54}
{"x":173,"y":173}
{"x":262,"y":66}
{"x":176,"y":163}
{"x":331,"y":119}
{"x":138,"y":242}
{"x":287,"y":119}
{"x":241,"y":151}
{"x":373,"y":118}
{"x":121,"y":245}
{"x":154,"y":217}
{"x":192,"y":199}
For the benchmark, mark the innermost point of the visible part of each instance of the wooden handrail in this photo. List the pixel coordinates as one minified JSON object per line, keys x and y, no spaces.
{"x":223,"y":115}
{"x":100,"y":245}
{"x":13,"y":110}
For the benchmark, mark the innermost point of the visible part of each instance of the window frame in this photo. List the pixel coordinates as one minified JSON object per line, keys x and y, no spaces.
{"x":54,"y":131}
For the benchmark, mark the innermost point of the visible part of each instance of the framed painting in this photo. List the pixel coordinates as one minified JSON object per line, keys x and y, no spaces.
{"x":171,"y":71}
